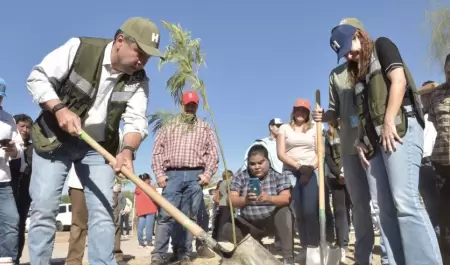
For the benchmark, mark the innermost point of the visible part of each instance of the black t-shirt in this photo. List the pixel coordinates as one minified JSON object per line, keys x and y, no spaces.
{"x":388,"y":55}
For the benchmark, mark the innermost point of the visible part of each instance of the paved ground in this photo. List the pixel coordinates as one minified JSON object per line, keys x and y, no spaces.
{"x":138,"y":256}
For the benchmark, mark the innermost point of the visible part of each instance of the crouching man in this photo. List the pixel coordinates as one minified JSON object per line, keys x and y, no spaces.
{"x":268,"y":213}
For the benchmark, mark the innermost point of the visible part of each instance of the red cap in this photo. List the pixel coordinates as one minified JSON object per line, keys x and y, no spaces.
{"x":304,"y":103}
{"x":189,"y":96}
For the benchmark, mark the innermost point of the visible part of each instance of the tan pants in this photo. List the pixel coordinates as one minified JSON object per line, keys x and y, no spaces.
{"x":78,"y":230}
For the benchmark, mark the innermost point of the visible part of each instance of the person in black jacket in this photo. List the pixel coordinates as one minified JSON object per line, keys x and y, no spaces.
{"x":336,"y":184}
{"x":20,"y":177}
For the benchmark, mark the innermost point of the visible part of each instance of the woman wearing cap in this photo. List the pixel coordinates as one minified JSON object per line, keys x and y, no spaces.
{"x":296,"y":149}
{"x":390,"y":140}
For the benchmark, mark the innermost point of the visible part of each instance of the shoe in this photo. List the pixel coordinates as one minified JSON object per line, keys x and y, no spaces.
{"x":343,"y":255}
{"x":174,"y":258}
{"x":204,"y":252}
{"x":186,"y":261}
{"x":142,"y":246}
{"x":288,"y":261}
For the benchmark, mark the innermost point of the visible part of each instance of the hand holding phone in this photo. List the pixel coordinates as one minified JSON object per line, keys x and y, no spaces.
{"x":254,"y":188}
{"x":4,"y":142}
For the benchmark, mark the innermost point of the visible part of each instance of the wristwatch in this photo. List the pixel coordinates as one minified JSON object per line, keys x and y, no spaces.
{"x":133,"y":151}
{"x":58,"y":107}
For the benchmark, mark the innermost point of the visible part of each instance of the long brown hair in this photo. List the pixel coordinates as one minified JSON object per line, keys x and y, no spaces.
{"x":306,"y":126}
{"x":357,"y":73}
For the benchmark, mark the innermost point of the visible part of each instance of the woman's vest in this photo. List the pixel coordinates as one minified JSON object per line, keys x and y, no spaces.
{"x":78,"y":92}
{"x":371,"y":99}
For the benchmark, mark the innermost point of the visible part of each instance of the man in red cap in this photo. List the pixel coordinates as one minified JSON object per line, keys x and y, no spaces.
{"x":185,"y":152}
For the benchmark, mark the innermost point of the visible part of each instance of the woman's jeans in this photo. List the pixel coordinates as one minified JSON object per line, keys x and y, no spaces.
{"x":306,"y":208}
{"x":403,"y":219}
{"x":145,"y":221}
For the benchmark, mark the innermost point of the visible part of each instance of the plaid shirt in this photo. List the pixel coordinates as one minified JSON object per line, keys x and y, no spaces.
{"x":177,"y":146}
{"x":272,"y":184}
{"x":439,"y":115}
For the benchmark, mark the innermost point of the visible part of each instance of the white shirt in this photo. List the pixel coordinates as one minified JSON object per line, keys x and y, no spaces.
{"x":49,"y":74}
{"x":73,"y":180}
{"x":271,"y":145}
{"x":8,"y":130}
{"x":429,"y":137}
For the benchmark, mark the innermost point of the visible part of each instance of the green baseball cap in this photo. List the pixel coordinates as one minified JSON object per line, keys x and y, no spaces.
{"x":352,"y":22}
{"x":145,"y":33}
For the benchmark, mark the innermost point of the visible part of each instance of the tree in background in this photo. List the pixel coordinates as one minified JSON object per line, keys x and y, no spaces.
{"x":438,"y":19}
{"x":65,"y":199}
{"x":186,"y":53}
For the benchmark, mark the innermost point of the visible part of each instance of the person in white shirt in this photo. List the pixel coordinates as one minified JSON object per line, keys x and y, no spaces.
{"x":10,"y":148}
{"x":87,"y":84}
{"x":428,"y":179}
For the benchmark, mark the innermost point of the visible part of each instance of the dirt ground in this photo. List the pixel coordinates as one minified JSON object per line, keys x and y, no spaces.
{"x":137,"y":256}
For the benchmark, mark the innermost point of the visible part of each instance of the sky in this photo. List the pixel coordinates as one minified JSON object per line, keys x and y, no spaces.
{"x":261,"y":55}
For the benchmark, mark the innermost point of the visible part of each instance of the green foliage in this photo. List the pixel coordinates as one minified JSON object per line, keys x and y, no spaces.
{"x":129,"y":195}
{"x":438,"y":19}
{"x":65,"y":199}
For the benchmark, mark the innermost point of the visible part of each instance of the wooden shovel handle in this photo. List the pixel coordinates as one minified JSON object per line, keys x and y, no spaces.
{"x":320,"y":156}
{"x":181,"y":218}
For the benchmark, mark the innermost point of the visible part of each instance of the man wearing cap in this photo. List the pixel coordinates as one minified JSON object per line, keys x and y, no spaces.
{"x":87,"y":84}
{"x":270,"y":143}
{"x":361,"y":189}
{"x":11,"y":147}
{"x":185,"y":157}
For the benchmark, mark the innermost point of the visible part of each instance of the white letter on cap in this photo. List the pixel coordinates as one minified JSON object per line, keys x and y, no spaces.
{"x":155,"y":37}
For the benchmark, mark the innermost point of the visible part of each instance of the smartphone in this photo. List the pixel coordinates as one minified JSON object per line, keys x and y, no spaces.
{"x":255,"y":186}
{"x":4,"y":142}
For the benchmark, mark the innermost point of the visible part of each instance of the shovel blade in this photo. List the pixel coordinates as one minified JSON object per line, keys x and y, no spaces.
{"x":250,"y":252}
{"x":331,"y":256}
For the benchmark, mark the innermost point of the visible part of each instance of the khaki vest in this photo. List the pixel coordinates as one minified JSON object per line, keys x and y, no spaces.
{"x":335,"y":145}
{"x":371,"y":98}
{"x":78,"y":92}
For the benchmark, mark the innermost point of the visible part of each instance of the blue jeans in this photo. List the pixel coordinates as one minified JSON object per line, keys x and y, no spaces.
{"x":145,"y":221}
{"x":362,"y":188}
{"x":403,"y":219}
{"x":9,"y":222}
{"x":202,"y":221}
{"x":47,"y":181}
{"x":306,"y":207}
{"x":183,"y":191}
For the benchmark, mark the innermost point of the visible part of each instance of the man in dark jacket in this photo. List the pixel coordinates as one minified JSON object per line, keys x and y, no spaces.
{"x":20,"y":177}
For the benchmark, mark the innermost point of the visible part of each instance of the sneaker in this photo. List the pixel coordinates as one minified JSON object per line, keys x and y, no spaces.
{"x":301,"y":256}
{"x":343,"y":255}
{"x":186,"y":261}
{"x":142,"y":246}
{"x":288,"y":261}
{"x":204,"y":252}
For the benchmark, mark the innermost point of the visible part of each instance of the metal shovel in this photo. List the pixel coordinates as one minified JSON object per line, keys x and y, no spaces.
{"x":328,"y":255}
{"x":247,"y":252}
